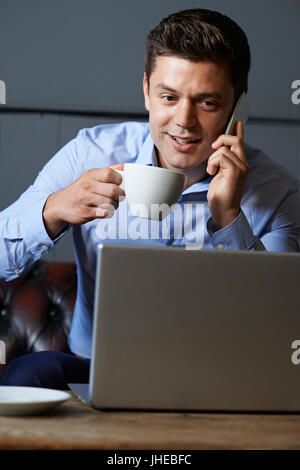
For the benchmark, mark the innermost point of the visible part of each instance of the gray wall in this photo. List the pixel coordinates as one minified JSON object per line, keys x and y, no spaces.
{"x":88,"y":54}
{"x":75,"y":56}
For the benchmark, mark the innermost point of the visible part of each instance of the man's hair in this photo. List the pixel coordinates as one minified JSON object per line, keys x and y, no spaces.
{"x":201,"y":35}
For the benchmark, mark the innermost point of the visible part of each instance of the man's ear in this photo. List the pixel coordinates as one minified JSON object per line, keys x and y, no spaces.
{"x":146,"y":92}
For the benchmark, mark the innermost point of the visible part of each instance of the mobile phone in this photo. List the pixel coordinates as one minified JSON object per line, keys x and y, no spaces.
{"x":240,"y":113}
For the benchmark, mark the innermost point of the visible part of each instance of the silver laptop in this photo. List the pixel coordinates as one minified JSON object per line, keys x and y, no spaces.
{"x":176,"y":329}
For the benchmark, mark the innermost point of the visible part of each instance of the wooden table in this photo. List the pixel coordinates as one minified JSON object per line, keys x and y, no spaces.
{"x":74,"y":425}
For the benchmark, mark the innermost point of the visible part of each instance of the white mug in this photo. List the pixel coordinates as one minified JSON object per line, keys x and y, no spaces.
{"x":151,"y":191}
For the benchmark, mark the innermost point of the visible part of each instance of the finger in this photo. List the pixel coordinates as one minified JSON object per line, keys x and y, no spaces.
{"x":242,"y":165}
{"x":105,"y":210}
{"x":219,"y":160}
{"x":121,"y":176}
{"x":110,"y":190}
{"x":100,"y":213}
{"x":226,"y":139}
{"x":107,"y":175}
{"x":240,"y":130}
{"x":93,"y":212}
{"x":100,"y":201}
{"x":103,"y":207}
{"x":233,"y":142}
{"x":226,"y":161}
{"x":117,"y":166}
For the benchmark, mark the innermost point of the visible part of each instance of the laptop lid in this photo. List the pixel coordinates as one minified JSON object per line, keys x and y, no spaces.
{"x":195,"y":330}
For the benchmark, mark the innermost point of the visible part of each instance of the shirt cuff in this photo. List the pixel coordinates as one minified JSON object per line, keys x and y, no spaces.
{"x":236,"y":236}
{"x":35,"y":232}
{"x":26,"y":240}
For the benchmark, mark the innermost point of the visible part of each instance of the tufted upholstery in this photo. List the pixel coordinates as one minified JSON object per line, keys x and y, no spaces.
{"x":36,"y":309}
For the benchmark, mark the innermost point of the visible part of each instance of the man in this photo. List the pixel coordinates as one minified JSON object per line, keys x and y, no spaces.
{"x":196,"y":67}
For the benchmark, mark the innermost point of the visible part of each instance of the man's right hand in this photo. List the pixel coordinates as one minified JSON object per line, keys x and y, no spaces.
{"x":93,"y":195}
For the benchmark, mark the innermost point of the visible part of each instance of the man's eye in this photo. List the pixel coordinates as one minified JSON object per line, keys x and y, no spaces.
{"x":209,"y":104}
{"x":168,"y":98}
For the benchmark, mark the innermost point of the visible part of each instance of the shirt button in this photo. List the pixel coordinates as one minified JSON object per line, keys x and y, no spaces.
{"x":221,"y":246}
{"x":44,"y":248}
{"x":16,"y":271}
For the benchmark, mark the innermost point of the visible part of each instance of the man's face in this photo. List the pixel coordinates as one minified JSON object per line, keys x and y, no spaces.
{"x":187,"y":100}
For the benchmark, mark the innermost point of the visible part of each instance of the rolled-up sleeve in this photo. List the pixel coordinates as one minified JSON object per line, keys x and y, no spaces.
{"x":23,"y":237}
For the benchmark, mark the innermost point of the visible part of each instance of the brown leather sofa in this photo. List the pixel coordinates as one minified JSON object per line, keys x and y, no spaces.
{"x":36,"y":310}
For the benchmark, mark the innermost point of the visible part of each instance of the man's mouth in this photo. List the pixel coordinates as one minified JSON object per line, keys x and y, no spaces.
{"x":185,"y":140}
{"x":184,"y":144}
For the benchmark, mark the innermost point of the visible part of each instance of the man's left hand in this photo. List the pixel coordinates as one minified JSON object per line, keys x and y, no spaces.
{"x":226,"y":188}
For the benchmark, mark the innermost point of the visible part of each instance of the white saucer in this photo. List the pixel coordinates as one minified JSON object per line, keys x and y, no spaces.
{"x":29,"y":400}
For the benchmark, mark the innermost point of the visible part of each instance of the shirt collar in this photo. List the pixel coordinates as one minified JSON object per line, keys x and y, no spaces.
{"x":147,"y":156}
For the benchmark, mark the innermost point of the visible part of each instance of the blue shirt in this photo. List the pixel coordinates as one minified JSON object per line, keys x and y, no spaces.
{"x":269,"y":217}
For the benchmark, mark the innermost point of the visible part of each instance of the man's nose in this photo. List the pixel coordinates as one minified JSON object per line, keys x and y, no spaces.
{"x":186,"y":114}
